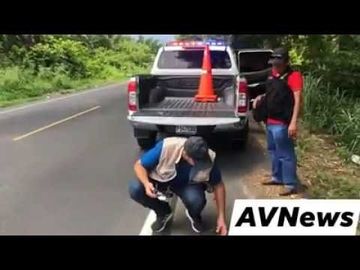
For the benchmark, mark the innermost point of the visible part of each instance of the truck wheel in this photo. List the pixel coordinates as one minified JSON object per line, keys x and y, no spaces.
{"x":241,"y":139}
{"x":239,"y":144}
{"x":146,"y":143}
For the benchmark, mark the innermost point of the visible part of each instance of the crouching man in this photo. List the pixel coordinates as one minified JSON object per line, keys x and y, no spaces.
{"x":186,"y":167}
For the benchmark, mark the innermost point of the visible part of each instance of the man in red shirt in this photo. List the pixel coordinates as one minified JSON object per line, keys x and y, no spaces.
{"x":280,"y":133}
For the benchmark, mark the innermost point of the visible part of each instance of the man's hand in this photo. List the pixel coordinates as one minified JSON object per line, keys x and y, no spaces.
{"x":142,"y":175}
{"x":256,"y":100}
{"x":150,"y":190}
{"x":292,"y":130}
{"x":219,"y":192}
{"x":221,"y":227}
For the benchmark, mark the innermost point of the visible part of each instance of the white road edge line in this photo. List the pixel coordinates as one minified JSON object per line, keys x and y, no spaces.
{"x":146,"y":228}
{"x":151,"y":217}
{"x":60,"y":98}
{"x":55,"y":123}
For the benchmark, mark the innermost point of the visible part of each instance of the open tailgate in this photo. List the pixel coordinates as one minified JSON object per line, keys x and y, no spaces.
{"x":253,"y":65}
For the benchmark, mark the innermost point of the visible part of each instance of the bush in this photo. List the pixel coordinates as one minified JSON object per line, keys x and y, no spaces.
{"x":332,"y":111}
{"x":16,"y":83}
{"x":63,"y":62}
{"x":58,"y":53}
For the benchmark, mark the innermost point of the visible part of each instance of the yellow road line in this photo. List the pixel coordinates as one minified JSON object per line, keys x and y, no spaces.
{"x":55,"y":124}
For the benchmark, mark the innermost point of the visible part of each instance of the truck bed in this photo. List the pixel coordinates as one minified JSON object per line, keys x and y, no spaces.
{"x":186,"y":107}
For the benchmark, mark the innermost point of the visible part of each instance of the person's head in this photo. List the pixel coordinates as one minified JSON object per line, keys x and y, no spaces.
{"x":280,"y":59}
{"x":196,"y":153}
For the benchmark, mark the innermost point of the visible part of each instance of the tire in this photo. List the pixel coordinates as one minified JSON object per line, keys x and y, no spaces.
{"x":239,"y":141}
{"x":239,"y":144}
{"x":146,"y":143}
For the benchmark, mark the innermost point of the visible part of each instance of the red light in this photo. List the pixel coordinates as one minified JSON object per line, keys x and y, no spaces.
{"x":173,"y":43}
{"x":242,"y":101}
{"x":132,"y":86}
{"x":186,"y":43}
{"x":243,"y":86}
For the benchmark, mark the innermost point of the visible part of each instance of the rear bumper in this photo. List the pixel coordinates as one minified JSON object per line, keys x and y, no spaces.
{"x":185,"y":121}
{"x":216,"y":125}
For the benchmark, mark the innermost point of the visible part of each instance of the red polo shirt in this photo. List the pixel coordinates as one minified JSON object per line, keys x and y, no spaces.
{"x":295,"y":82}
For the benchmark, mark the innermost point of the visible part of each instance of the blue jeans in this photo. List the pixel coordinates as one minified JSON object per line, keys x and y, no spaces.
{"x":282,"y":152}
{"x":192,"y":195}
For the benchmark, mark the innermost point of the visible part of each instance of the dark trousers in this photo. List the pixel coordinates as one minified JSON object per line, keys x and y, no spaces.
{"x":192,"y":195}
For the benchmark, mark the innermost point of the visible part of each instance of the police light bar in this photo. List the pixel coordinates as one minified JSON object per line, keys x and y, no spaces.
{"x":196,"y":43}
{"x":216,"y":42}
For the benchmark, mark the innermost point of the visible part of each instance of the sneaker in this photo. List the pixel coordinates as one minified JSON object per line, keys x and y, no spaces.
{"x":160,"y":223}
{"x":196,"y":223}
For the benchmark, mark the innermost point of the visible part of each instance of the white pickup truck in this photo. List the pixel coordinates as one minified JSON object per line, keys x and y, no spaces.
{"x":162,"y":102}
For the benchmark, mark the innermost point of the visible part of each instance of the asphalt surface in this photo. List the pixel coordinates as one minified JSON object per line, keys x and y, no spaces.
{"x":67,"y":170}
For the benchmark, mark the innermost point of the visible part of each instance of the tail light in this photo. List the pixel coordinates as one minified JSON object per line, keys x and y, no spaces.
{"x":243,"y":99}
{"x":132,"y":85}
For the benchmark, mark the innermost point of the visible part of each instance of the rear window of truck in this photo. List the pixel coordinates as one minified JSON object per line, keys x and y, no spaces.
{"x":192,"y":59}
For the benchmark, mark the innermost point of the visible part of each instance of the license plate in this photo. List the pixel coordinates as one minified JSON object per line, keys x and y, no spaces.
{"x":186,"y":130}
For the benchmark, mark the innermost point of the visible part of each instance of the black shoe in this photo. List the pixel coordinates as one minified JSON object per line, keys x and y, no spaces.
{"x":160,"y":223}
{"x":196,"y":223}
{"x":288,"y":192}
{"x":272,"y":183}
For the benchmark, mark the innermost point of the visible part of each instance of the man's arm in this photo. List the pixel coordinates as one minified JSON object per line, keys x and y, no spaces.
{"x":148,"y":162}
{"x":296,"y":84}
{"x":293,"y":123}
{"x":256,"y":100}
{"x":220,"y":200}
{"x":142,"y":174}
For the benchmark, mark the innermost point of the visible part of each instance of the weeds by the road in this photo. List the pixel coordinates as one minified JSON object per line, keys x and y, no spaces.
{"x":332,"y":111}
{"x":18,"y":86}
{"x":323,"y":170}
{"x":330,"y":134}
{"x":63,"y":63}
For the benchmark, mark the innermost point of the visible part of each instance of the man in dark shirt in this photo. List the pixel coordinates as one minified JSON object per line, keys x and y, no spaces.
{"x":280,"y":134}
{"x":193,"y":158}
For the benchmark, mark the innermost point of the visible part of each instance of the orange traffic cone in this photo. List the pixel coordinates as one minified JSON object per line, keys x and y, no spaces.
{"x":206,"y":92}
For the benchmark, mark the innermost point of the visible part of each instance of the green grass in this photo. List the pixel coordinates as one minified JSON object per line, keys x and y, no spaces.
{"x":329,"y":186}
{"x":334,"y":112}
{"x":331,"y":118}
{"x":324,"y":170}
{"x":19,"y":86}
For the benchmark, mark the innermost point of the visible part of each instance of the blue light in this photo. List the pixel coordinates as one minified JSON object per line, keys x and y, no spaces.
{"x":215,"y":42}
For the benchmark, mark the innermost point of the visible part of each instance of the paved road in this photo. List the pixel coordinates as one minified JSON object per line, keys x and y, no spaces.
{"x":67,"y":170}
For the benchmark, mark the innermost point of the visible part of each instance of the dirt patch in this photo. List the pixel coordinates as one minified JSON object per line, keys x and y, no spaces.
{"x":323,"y":168}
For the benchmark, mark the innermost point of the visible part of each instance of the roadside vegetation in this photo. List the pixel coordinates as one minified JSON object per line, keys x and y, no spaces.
{"x":330,"y":125}
{"x":32,"y":66}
